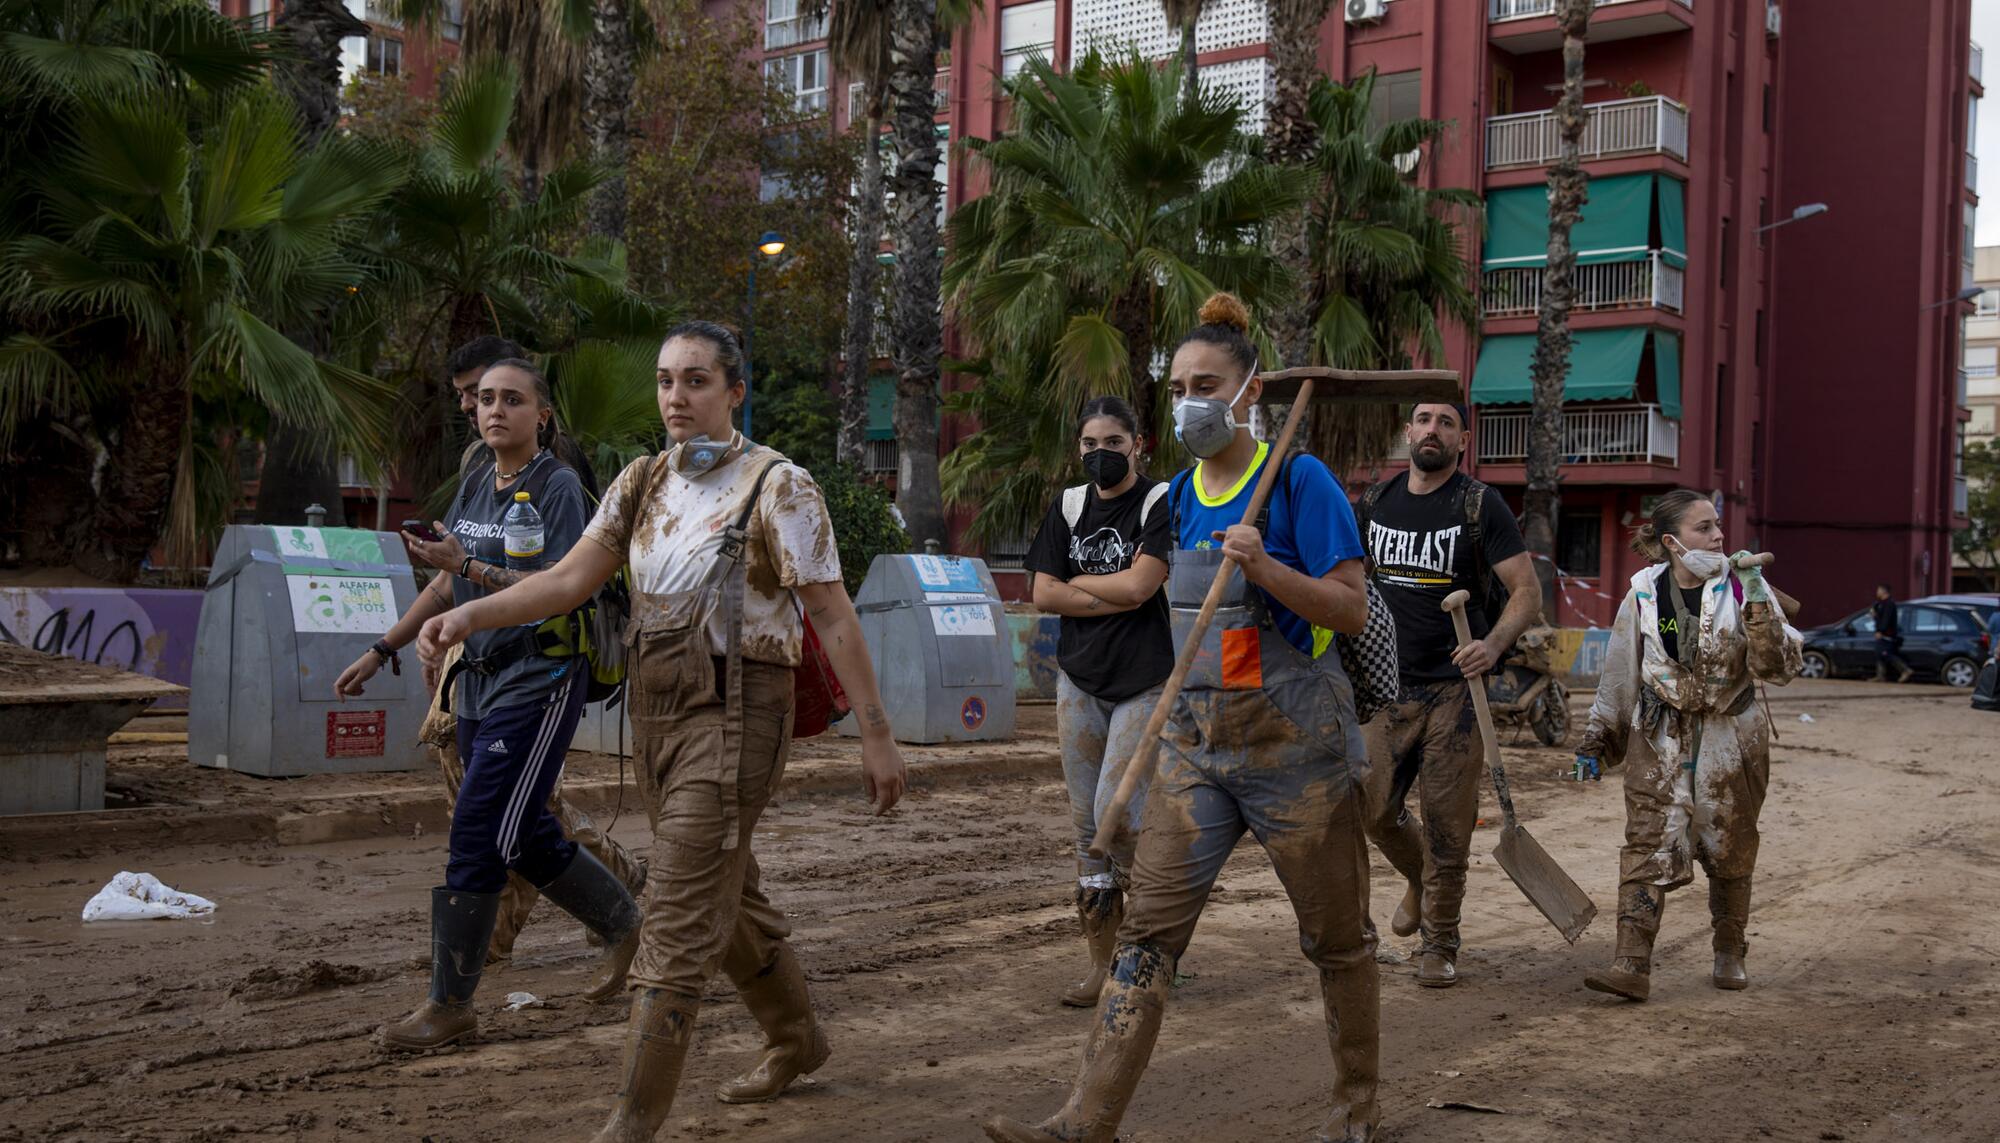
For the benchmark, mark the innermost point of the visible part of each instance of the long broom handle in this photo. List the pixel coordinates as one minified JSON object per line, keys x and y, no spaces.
{"x":1148,"y":753}
{"x":1455,"y":604}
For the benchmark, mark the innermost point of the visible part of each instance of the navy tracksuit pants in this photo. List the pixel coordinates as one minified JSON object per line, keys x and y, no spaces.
{"x":513,"y":758}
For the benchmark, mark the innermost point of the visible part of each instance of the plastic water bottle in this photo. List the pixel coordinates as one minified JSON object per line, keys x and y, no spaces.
{"x":521,"y":533}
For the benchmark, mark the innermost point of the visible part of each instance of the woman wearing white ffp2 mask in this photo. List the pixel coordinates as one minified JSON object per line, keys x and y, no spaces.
{"x":1675,"y":705}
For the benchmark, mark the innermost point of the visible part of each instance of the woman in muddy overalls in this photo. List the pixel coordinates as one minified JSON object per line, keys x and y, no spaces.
{"x":721,"y":535}
{"x":1676,"y":706}
{"x":1263,"y":738}
{"x":1099,"y":561}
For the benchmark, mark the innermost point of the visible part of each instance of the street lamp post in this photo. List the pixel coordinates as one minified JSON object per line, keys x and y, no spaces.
{"x":770,"y":246}
{"x":1806,"y":211}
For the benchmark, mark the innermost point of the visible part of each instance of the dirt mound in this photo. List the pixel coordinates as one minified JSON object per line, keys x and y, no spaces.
{"x":273,"y":983}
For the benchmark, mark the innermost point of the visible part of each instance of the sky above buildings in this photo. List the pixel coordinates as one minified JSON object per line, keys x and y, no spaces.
{"x":1986,"y":33}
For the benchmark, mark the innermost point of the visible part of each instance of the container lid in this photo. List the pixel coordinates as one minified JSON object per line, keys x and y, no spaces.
{"x":522,"y":497}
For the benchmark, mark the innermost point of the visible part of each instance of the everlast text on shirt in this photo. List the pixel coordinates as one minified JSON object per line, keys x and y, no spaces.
{"x":1414,"y":559}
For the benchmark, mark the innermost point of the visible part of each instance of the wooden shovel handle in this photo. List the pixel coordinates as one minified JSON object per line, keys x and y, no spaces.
{"x":1455,"y":604}
{"x":1144,"y":758}
{"x":1760,"y":560}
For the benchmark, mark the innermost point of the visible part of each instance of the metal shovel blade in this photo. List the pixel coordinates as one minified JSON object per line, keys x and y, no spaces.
{"x":1544,"y":883}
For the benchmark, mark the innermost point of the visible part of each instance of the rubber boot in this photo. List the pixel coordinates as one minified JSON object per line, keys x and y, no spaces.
{"x":1729,"y":912}
{"x":1630,"y":974}
{"x":1409,"y":911}
{"x":594,"y":895}
{"x":1101,"y":911}
{"x":1881,"y":671}
{"x":1114,"y":1057}
{"x":794,"y":1045}
{"x":1436,"y":969}
{"x":1353,"y":1019}
{"x":461,"y":925}
{"x":656,"y":1045}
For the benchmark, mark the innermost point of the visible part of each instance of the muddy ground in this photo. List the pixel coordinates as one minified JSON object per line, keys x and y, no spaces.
{"x":938,"y":937}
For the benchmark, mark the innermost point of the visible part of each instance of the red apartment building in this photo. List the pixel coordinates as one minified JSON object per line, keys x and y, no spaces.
{"x":1826,"y":425}
{"x":388,"y":49}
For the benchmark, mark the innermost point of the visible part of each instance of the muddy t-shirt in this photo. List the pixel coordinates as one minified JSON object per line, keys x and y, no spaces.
{"x":1111,"y":657}
{"x":476,"y":518}
{"x":668,"y":525}
{"x":1415,"y":545}
{"x":1670,"y":633}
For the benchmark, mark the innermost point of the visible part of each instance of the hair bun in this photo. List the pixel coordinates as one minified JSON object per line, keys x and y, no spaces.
{"x":1225,"y":309}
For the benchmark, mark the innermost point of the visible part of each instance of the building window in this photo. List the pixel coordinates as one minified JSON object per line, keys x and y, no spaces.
{"x":1988,"y":303}
{"x":1026,"y":30}
{"x":1580,"y":543}
{"x":451,"y":24}
{"x":1980,"y":360}
{"x":785,"y":27}
{"x":1721,"y":412}
{"x":258,"y":15}
{"x":1728,"y":252}
{"x":804,"y":75}
{"x":385,"y":56}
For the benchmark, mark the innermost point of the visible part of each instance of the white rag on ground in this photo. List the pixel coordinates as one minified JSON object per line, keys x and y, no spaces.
{"x":141,"y":897}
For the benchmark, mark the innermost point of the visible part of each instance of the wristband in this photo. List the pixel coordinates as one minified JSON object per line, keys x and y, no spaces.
{"x":465,"y":568}
{"x":388,"y":656}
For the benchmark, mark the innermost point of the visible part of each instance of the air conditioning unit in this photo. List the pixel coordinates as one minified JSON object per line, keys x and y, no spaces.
{"x":1366,"y":11}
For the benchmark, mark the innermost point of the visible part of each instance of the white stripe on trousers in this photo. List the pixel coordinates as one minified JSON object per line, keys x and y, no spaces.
{"x":508,"y":840}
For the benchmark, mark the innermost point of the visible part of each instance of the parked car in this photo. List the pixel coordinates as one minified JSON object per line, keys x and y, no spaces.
{"x":1945,"y":641}
{"x":1986,"y":603}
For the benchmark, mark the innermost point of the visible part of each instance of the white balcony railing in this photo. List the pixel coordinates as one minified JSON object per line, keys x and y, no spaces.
{"x":1976,"y":64}
{"x":787,"y":33}
{"x":1971,"y":171}
{"x":1646,"y":125}
{"x":880,"y":457}
{"x":1528,"y":9}
{"x":1626,"y":434}
{"x":1960,"y":499}
{"x":1516,"y":291}
{"x":857,"y":96}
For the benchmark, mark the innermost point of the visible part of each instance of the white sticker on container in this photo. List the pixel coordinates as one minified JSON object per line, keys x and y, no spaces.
{"x":955,"y":597}
{"x":341,"y":604}
{"x":962,"y":619}
{"x":305,"y":542}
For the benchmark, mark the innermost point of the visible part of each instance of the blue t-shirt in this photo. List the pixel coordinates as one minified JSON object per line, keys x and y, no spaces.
{"x":1312,"y":529}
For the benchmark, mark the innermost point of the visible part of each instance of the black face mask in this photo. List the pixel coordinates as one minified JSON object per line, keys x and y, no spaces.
{"x":1106,"y":468}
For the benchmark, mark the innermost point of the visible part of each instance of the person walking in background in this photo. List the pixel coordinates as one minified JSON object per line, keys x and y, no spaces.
{"x":1099,"y":562}
{"x":439,"y":732}
{"x":1888,"y":638}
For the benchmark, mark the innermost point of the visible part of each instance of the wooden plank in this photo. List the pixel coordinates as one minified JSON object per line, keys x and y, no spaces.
{"x":1362,"y":386}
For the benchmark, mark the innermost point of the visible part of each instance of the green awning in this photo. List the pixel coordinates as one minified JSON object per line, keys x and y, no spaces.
{"x":1616,"y":225}
{"x":882,"y":408}
{"x":1673,"y":222}
{"x":1667,"y":371}
{"x":1603,"y":366}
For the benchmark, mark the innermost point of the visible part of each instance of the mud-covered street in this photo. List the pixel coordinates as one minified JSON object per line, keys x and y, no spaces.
{"x":939,"y":937}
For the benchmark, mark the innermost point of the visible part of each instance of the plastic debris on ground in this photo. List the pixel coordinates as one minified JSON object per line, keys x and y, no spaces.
{"x":141,"y":897}
{"x":1808,"y":719}
{"x":519,"y":1000}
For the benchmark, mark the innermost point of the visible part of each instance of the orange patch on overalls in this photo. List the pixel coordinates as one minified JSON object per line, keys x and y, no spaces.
{"x":1242,"y":660}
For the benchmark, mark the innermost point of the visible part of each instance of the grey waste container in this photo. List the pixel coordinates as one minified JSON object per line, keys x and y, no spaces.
{"x":943,"y":652}
{"x":287,"y":609}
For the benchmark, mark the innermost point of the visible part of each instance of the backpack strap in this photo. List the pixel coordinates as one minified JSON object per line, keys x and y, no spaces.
{"x":1364,"y":512}
{"x":732,"y":544}
{"x":1280,"y":486}
{"x":1153,"y":496}
{"x":1072,"y":504}
{"x":1175,"y":487}
{"x":1472,"y":509}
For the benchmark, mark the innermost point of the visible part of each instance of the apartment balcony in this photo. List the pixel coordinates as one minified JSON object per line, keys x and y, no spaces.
{"x":1516,"y":291}
{"x":1972,"y":172}
{"x":1975,"y":65}
{"x":879,"y":457}
{"x":792,"y":31}
{"x":1960,"y":499}
{"x":857,"y":97}
{"x":1631,"y":434}
{"x":1647,"y":125}
{"x":1521,"y":26}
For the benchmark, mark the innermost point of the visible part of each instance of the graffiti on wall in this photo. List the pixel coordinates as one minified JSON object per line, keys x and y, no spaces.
{"x":150,"y":631}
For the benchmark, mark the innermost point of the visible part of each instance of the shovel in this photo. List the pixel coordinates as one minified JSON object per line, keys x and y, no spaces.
{"x":1537,"y":875}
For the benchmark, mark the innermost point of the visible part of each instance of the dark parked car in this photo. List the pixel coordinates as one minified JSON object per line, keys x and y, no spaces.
{"x":1946,"y":641}
{"x":1987,"y":604}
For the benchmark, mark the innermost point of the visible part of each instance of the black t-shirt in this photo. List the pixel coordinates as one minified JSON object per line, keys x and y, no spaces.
{"x":1690,"y":599}
{"x":1885,"y":617}
{"x":1111,"y":657}
{"x":1418,"y":559}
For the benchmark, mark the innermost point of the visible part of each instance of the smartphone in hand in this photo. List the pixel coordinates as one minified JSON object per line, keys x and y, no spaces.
{"x":422,"y":531}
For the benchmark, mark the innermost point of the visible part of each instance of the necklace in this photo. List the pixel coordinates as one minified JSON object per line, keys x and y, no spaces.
{"x":518,"y":471}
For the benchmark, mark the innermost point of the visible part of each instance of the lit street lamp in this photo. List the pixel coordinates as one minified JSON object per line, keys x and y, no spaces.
{"x":770,"y":246}
{"x":1806,"y":211}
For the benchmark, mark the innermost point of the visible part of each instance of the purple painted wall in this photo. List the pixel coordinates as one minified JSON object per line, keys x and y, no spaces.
{"x":147,"y":630}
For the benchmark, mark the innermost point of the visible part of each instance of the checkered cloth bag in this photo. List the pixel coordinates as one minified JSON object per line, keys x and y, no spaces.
{"x":1370,"y":658}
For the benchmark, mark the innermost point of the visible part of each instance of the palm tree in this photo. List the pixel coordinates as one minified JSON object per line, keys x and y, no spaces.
{"x":858,"y":44}
{"x":1389,"y":259}
{"x":1291,"y":137}
{"x":1117,"y":206}
{"x":915,"y":320}
{"x":163,"y":226}
{"x":1182,"y":16}
{"x":1568,"y":189}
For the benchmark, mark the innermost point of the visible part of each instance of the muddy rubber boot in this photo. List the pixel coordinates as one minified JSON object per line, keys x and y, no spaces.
{"x":794,"y":1045}
{"x":1436,"y":969}
{"x":656,"y":1044}
{"x":1907,"y":674}
{"x":1353,"y":1003}
{"x":1881,"y":672}
{"x":461,"y":925}
{"x":1630,"y":974}
{"x":1114,"y":1056}
{"x":588,"y":891}
{"x":1729,"y":912}
{"x":1101,"y":911}
{"x":1409,"y":911}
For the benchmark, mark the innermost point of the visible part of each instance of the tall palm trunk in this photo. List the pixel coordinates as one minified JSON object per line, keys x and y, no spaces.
{"x":1568,"y":190}
{"x":137,"y":485}
{"x":1190,"y":85}
{"x":1132,"y":316}
{"x":864,"y":273}
{"x":1291,"y":137}
{"x":299,"y":469}
{"x":915,"y":319}
{"x":608,"y":66}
